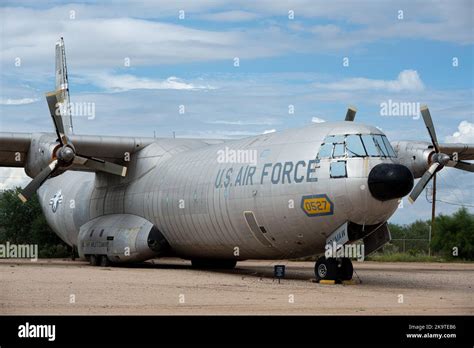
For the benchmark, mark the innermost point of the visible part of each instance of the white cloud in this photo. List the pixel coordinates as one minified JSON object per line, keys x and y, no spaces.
{"x":95,"y":42}
{"x":317,"y":120}
{"x":111,"y":32}
{"x":245,"y":122}
{"x":20,"y":101}
{"x":230,"y":16}
{"x":407,"y":80}
{"x":129,"y":82}
{"x":268,"y":131}
{"x":12,"y":177}
{"x":440,"y":21}
{"x":105,"y":33}
{"x":465,"y":134}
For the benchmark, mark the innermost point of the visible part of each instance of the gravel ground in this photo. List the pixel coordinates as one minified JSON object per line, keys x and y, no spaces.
{"x":170,"y":286}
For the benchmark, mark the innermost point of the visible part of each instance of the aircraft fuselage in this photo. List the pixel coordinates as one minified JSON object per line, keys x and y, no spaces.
{"x":268,"y":196}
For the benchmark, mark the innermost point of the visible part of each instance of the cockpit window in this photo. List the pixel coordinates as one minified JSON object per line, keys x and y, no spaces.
{"x":379,"y":144}
{"x":370,"y":147}
{"x":338,"y":138}
{"x":339,"y":150}
{"x":326,"y":150}
{"x":356,"y":145}
{"x":389,"y":147}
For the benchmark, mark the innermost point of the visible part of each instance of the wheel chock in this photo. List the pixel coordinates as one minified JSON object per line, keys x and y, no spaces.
{"x":327,"y":282}
{"x":348,"y":282}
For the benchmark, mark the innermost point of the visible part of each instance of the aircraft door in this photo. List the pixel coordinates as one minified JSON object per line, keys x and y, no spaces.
{"x":259,"y":232}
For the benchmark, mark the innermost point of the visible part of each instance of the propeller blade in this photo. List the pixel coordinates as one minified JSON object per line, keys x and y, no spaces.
{"x":37,"y":181}
{"x":101,"y":165}
{"x":464,"y":152}
{"x":468,"y":167}
{"x":463,"y":165}
{"x":425,"y":112}
{"x":423,"y":182}
{"x":351,"y":113}
{"x":55,"y":111}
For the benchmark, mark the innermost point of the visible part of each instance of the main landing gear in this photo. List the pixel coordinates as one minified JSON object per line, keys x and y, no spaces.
{"x":337,"y":269}
{"x":99,"y":260}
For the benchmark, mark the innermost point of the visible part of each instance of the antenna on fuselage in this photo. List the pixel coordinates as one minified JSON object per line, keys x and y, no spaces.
{"x":351,"y":113}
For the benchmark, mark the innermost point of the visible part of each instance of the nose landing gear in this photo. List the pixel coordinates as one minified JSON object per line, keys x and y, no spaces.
{"x":337,"y":269}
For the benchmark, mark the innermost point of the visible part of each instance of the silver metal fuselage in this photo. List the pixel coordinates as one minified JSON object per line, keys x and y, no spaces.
{"x":198,"y":201}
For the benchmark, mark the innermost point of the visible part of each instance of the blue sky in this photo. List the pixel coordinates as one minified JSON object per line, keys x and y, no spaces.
{"x":401,"y":56}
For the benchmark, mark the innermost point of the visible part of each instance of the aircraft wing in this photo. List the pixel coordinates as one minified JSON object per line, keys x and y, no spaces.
{"x":14,"y":147}
{"x":109,"y":148}
{"x":46,"y":154}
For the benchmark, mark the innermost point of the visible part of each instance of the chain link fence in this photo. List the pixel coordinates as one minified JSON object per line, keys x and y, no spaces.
{"x":408,"y":245}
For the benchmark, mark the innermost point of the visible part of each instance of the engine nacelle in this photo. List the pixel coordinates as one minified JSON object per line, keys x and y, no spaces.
{"x":122,"y":237}
{"x":40,"y":153}
{"x":414,"y":155}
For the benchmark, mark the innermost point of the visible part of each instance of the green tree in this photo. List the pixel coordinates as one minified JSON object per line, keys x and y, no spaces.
{"x":455,"y":231}
{"x":397,"y":231}
{"x":24,"y":223}
{"x":418,"y":230}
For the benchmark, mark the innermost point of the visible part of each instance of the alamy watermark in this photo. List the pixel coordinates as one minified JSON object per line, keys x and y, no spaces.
{"x":28,"y":330}
{"x":228,"y":155}
{"x":19,"y":251}
{"x":394,"y":108}
{"x":82,"y":109}
{"x":351,"y":251}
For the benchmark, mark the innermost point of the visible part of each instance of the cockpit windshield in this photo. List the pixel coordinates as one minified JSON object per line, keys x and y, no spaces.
{"x":356,"y":145}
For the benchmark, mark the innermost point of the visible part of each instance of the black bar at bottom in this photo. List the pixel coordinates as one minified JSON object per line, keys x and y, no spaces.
{"x":222,"y":330}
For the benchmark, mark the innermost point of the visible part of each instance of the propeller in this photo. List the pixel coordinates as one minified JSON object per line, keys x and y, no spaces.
{"x":37,"y":181}
{"x":65,"y":154}
{"x":351,"y":113}
{"x":438,"y":159}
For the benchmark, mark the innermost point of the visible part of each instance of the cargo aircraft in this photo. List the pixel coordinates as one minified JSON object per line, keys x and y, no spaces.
{"x":281,"y":195}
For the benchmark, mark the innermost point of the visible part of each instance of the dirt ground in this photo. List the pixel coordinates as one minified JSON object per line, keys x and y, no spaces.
{"x":170,"y":286}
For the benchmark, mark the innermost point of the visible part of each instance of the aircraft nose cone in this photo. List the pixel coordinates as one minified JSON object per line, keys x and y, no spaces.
{"x":388,"y":181}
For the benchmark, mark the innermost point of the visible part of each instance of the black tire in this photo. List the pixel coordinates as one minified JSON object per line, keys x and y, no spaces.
{"x":104,"y":261}
{"x":93,"y":260}
{"x":213,"y":264}
{"x":326,"y":269}
{"x":346,"y":270}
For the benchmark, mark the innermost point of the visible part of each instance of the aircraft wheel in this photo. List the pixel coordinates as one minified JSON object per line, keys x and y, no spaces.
{"x":93,"y":260}
{"x":346,"y":270}
{"x":213,"y":264}
{"x":104,"y":261}
{"x":326,"y":269}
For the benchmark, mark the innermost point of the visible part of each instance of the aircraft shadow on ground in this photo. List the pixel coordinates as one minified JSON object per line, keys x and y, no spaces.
{"x":293,"y":273}
{"x":363,"y":277}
